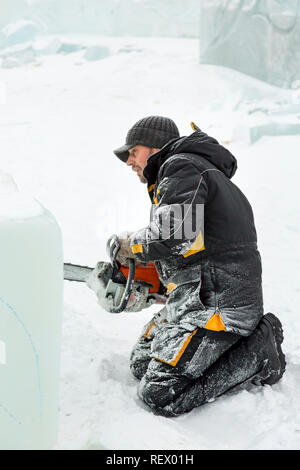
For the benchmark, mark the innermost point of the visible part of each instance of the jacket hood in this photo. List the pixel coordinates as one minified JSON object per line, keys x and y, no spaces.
{"x":197,"y":143}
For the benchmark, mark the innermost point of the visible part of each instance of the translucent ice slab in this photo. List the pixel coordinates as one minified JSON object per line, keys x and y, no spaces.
{"x":259,"y":38}
{"x":31,"y":281}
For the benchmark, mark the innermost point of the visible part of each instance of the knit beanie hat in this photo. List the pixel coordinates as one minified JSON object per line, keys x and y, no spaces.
{"x":151,"y":131}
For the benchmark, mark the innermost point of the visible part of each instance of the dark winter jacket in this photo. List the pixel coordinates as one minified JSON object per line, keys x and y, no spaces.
{"x":213,"y":276}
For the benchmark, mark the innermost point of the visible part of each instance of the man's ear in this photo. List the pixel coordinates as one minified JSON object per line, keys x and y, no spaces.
{"x":154,"y":150}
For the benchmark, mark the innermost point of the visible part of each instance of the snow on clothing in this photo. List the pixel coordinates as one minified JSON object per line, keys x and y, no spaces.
{"x":214,"y":363}
{"x":214,"y":282}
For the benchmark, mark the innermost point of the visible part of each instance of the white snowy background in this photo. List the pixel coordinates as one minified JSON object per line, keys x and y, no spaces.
{"x":61,"y":115}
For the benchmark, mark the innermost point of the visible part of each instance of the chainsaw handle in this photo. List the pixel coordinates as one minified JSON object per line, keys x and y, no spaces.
{"x":112,"y":248}
{"x":128,"y":289}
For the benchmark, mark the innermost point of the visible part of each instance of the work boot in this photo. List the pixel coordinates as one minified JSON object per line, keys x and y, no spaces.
{"x":273,"y":358}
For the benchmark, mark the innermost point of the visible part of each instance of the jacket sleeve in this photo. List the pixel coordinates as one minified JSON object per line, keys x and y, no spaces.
{"x":177,"y":215}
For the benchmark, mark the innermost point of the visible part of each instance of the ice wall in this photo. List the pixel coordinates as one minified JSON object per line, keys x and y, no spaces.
{"x":257,"y":37}
{"x":169,"y":18}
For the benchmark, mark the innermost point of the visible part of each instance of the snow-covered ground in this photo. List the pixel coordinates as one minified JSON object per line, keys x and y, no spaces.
{"x":62,"y":118}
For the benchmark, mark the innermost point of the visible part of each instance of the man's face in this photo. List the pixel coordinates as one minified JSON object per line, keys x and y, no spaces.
{"x":137,"y":159}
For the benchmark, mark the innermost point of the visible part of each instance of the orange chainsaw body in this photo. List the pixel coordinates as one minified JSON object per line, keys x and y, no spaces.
{"x":146,"y":273}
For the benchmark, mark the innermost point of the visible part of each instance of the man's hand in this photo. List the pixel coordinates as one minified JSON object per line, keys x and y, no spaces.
{"x":125,"y":251}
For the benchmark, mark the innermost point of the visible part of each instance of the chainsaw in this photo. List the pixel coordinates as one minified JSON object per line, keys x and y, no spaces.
{"x":120,"y":288}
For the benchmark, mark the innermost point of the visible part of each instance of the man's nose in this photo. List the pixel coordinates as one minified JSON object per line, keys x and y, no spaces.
{"x":129,"y":161}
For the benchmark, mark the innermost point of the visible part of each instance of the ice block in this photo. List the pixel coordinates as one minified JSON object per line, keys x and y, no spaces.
{"x":258,"y":38}
{"x":31,"y":292}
